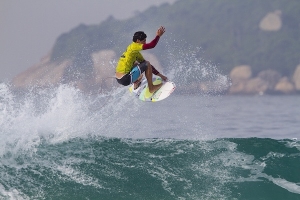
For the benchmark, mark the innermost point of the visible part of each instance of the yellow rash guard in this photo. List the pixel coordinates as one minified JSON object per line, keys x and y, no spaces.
{"x":128,"y":58}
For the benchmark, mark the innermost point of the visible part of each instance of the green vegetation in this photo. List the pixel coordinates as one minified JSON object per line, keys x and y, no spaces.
{"x":227,"y":31}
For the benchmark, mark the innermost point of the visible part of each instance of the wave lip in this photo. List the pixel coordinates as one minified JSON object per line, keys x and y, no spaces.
{"x":118,"y":168}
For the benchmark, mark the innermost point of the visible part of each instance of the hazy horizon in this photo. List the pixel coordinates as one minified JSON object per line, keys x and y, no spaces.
{"x":37,"y":24}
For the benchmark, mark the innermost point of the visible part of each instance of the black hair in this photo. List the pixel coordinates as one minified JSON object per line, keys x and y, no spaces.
{"x":140,"y":35}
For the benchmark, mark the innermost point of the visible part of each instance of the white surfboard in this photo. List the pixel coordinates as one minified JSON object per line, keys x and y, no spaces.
{"x":142,"y":92}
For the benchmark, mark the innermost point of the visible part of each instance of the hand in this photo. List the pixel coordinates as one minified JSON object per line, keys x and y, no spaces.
{"x":164,"y":78}
{"x":160,"y":31}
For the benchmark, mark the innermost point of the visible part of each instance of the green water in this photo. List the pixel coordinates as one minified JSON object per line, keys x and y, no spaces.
{"x":109,"y":168}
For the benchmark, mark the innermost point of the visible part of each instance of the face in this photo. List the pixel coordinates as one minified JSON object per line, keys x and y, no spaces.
{"x":142,"y":41}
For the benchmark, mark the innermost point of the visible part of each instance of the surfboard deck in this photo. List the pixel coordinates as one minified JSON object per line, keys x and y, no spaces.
{"x":142,"y":92}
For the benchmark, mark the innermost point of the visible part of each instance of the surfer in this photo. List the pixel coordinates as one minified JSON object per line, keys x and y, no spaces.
{"x":132,"y":64}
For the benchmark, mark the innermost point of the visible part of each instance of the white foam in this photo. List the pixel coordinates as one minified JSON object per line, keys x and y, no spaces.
{"x":62,"y":113}
{"x":293,"y":143}
{"x":12,"y":194}
{"x":77,"y":176}
{"x":291,"y":187}
{"x":56,"y":115}
{"x":232,"y":158}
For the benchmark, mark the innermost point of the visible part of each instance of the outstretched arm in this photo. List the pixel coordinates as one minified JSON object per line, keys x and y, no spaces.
{"x":153,"y":43}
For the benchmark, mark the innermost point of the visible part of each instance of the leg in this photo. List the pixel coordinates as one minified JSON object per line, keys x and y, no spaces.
{"x":136,"y":74}
{"x":148,"y":73}
{"x":137,"y":83}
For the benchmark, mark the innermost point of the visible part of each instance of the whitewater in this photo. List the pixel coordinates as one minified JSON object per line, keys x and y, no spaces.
{"x":61,"y":143}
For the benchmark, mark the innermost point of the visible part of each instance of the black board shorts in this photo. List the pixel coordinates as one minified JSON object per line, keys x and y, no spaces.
{"x":133,"y":75}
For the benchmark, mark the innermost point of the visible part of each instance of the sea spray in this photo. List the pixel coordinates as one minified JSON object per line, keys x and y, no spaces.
{"x":117,"y":147}
{"x":193,"y":74}
{"x":57,"y":114}
{"x":61,"y":143}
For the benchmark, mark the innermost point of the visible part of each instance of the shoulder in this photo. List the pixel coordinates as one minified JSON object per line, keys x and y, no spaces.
{"x":135,"y":46}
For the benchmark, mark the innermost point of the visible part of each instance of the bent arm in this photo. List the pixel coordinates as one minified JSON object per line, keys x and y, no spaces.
{"x":155,"y":72}
{"x":152,"y":44}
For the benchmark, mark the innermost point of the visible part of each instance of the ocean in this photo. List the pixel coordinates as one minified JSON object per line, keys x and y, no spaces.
{"x":59,"y":143}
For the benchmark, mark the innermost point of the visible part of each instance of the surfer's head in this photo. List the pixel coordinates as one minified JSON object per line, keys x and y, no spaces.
{"x":140,"y":35}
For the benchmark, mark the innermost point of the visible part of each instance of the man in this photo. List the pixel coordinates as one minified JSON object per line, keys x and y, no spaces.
{"x":132,"y":64}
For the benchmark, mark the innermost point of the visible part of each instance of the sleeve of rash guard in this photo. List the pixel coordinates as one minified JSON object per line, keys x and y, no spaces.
{"x":152,"y":44}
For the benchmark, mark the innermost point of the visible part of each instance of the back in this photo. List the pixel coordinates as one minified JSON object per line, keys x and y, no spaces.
{"x":128,"y":58}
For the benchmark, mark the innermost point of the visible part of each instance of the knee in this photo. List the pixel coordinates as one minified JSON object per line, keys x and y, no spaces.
{"x":147,"y":66}
{"x":148,"y":63}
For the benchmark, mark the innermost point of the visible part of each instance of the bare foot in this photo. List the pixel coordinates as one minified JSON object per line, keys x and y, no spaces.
{"x":136,"y":85}
{"x":155,"y":88}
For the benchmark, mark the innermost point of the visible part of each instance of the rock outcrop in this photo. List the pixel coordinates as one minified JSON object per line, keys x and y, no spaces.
{"x":104,"y":68}
{"x":255,"y":86}
{"x":242,"y":72}
{"x":266,"y":82}
{"x":285,"y":86}
{"x":271,"y":22}
{"x":270,"y":77}
{"x":239,"y":77}
{"x":296,"y":78}
{"x":42,"y":74}
{"x":100,"y":75}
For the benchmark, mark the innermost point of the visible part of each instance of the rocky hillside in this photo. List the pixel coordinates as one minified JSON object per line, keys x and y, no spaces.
{"x":255,"y":43}
{"x":267,"y":81}
{"x":99,"y":78}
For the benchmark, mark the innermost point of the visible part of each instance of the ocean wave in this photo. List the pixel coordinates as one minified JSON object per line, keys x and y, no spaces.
{"x":115,"y":168}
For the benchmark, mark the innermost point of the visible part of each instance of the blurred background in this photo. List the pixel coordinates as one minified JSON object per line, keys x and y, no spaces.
{"x":227,"y":47}
{"x":30,"y":28}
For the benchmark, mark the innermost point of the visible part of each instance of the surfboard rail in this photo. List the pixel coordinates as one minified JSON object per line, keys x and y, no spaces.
{"x":142,"y":92}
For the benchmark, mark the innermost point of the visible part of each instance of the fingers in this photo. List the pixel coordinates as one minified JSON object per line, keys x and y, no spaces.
{"x":161,"y":31}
